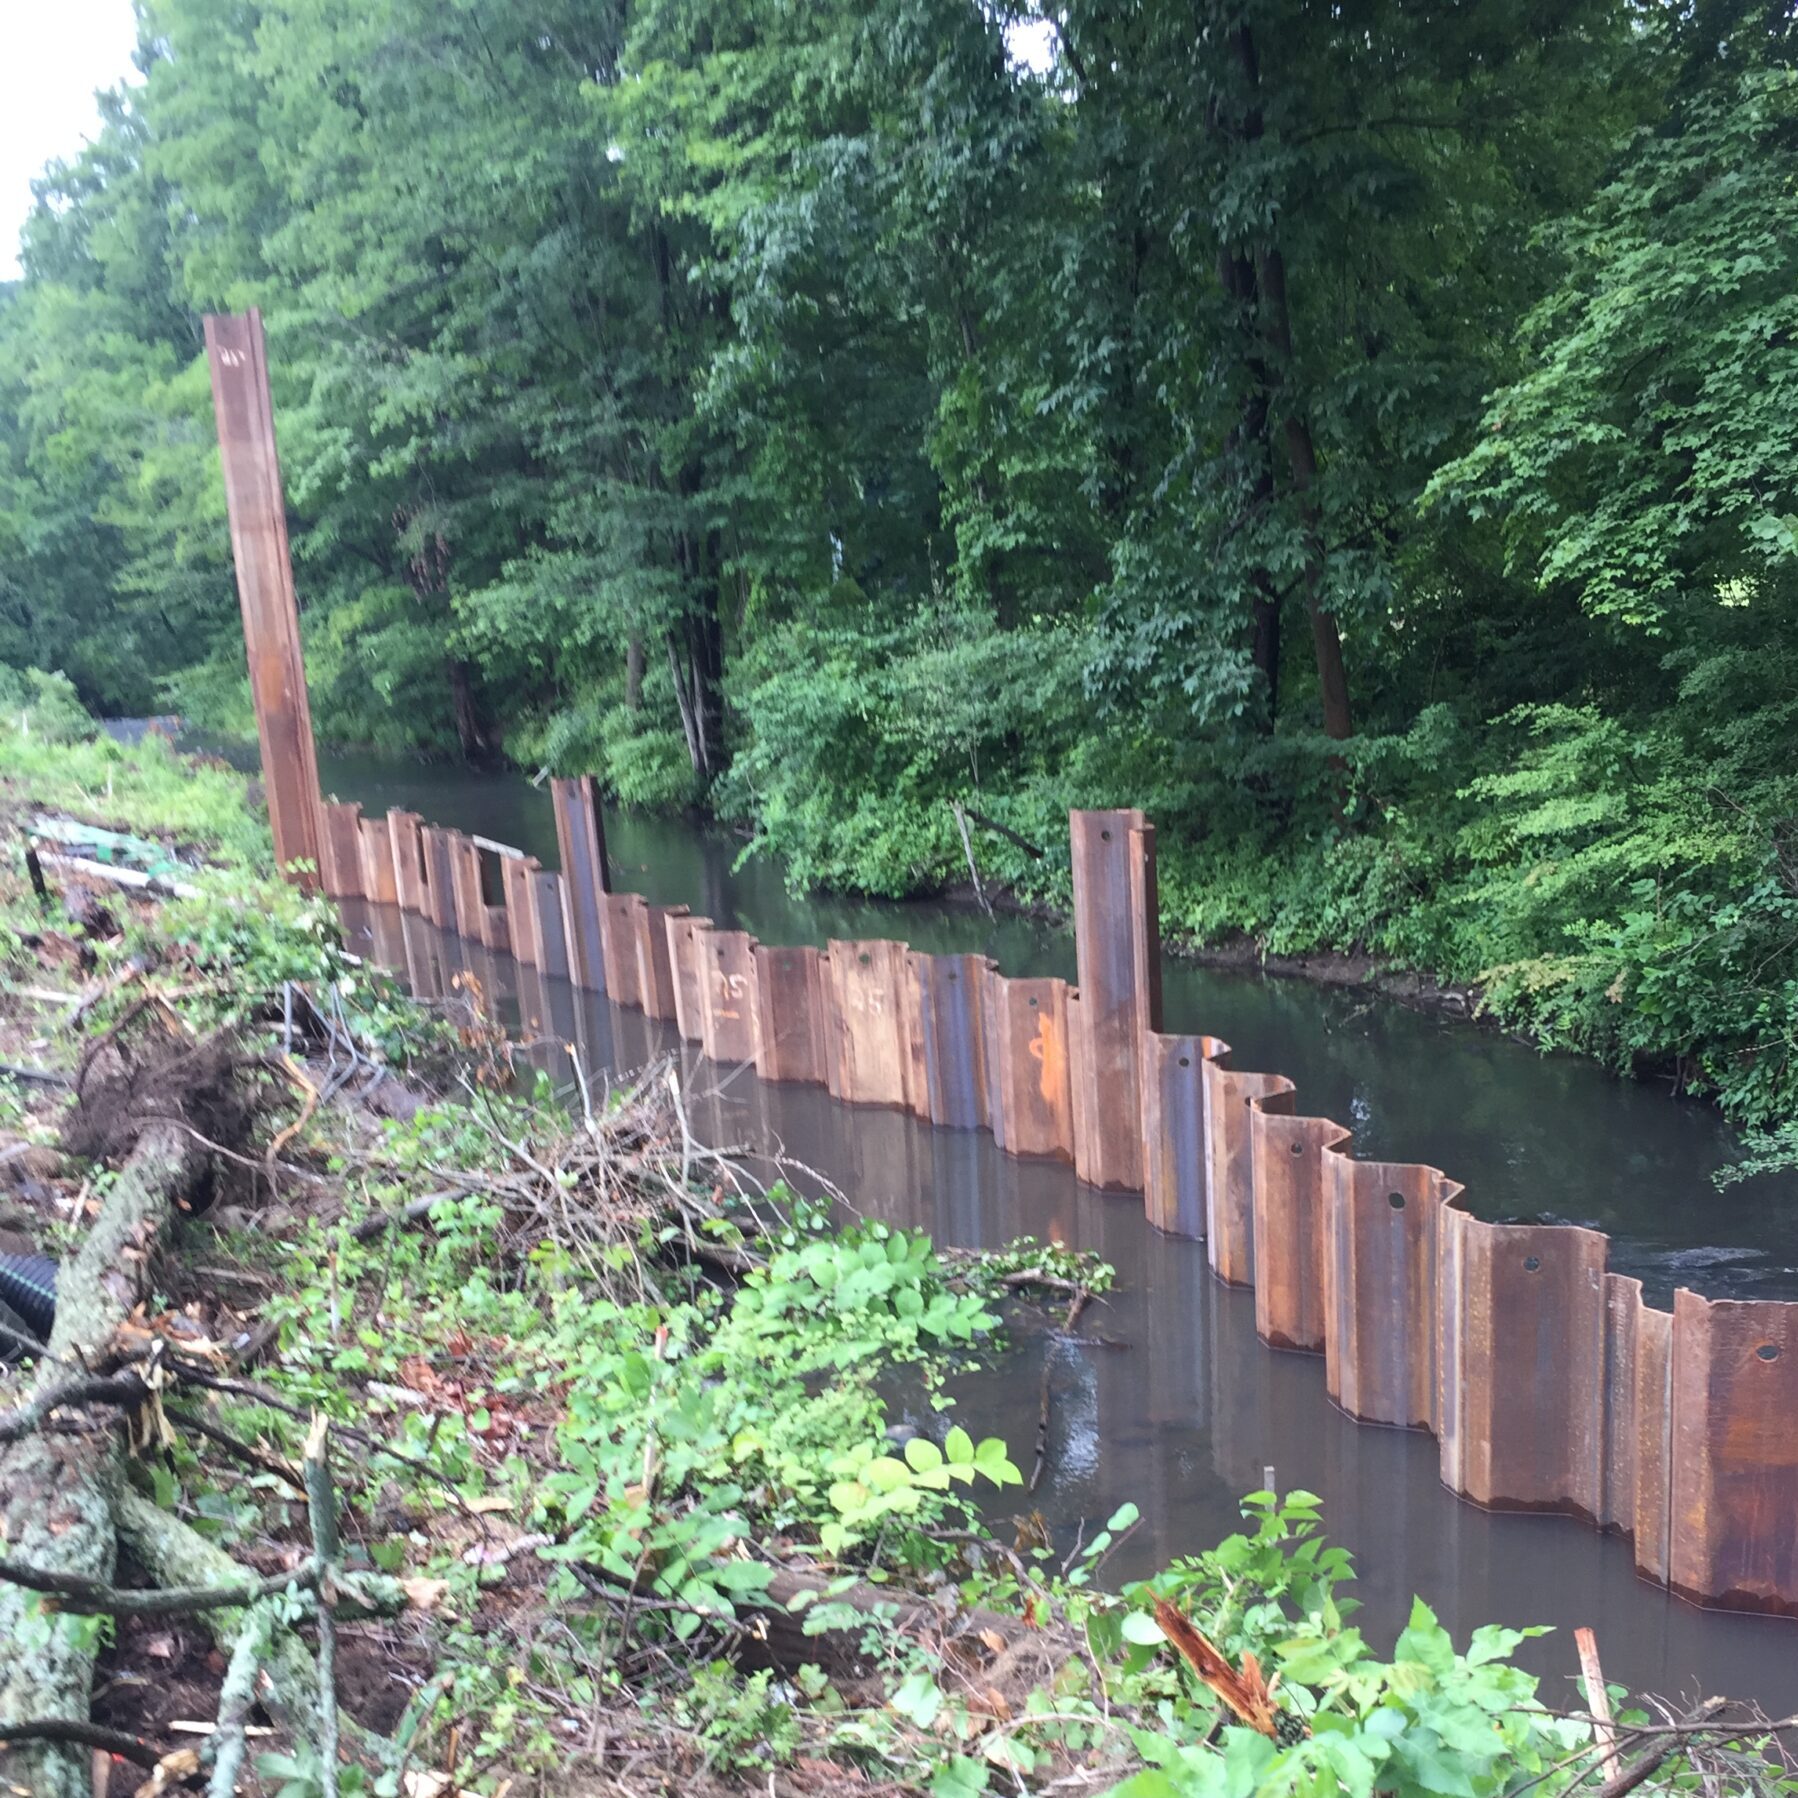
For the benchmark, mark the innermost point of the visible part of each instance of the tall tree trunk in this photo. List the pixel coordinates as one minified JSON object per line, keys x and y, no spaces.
{"x":1249,"y":437}
{"x":1301,"y":449}
{"x":469,"y":732}
{"x":1301,"y":458}
{"x":634,"y":662}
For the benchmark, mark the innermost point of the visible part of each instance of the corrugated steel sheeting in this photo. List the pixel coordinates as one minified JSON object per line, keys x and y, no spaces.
{"x":1549,"y":1384}
{"x":1547,"y":1381}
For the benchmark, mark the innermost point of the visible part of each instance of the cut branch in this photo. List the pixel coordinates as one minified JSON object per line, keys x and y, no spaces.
{"x":92,"y":1598}
{"x":1002,"y":830}
{"x":1639,"y":1771}
{"x":71,"y":1732}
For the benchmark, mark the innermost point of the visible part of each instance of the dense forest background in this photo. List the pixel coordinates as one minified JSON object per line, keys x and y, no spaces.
{"x":1363,"y":434}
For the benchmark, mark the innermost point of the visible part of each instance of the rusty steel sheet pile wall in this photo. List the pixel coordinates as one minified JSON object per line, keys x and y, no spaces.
{"x":950,"y":1041}
{"x":1734,"y":1511}
{"x":1287,"y":1223}
{"x":1380,"y":1228}
{"x":1029,"y":1092}
{"x":551,"y":902}
{"x":1116,"y":947}
{"x":581,"y":848}
{"x":1176,"y":1160}
{"x":1520,"y":1358}
{"x":1231,"y":1099}
{"x":1549,"y":1383}
{"x":340,"y":836}
{"x":622,"y":920}
{"x":791,"y":1039}
{"x":515,"y":873}
{"x":655,"y":967}
{"x":256,"y":512}
{"x":686,"y":961}
{"x":405,"y":835}
{"x":380,"y":883}
{"x":868,"y":1046}
{"x":727,"y":1010}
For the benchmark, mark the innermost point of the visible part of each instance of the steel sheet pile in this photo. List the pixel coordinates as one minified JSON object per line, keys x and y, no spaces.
{"x":1547,"y":1382}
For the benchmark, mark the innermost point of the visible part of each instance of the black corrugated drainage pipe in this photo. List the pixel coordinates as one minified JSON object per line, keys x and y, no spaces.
{"x":28,"y":1290}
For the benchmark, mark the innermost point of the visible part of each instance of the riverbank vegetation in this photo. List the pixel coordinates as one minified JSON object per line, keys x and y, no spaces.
{"x":407,"y":1428}
{"x":1362,"y":438}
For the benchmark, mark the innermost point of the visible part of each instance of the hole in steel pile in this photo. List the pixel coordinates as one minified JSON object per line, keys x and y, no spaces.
{"x":1396,"y":1200}
{"x":1768,"y":1351}
{"x":1531,"y":1263}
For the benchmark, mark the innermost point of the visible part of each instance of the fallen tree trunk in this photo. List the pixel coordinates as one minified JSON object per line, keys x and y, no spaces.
{"x":179,"y":1556}
{"x":57,"y":1489}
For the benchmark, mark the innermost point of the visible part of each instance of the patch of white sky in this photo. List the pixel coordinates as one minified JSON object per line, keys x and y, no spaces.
{"x":55,"y":56}
{"x":1031,"y":44}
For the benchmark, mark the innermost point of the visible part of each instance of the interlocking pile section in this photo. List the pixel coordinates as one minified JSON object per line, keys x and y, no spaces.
{"x":1546,"y":1380}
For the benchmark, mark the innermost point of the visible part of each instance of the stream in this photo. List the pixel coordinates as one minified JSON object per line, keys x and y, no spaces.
{"x":1187,"y":1409}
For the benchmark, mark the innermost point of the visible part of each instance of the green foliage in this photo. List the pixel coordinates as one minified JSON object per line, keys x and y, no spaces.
{"x":816,"y":414}
{"x":52,"y":758}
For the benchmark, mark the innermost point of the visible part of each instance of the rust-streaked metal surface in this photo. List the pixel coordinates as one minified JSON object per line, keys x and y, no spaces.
{"x":515,"y":873}
{"x":407,"y":850}
{"x":1735,"y":1452}
{"x":423,"y":974}
{"x":950,"y":1039}
{"x":727,"y":994}
{"x":686,"y":961}
{"x":1380,"y":1225}
{"x":440,"y":872}
{"x":1288,"y":1180}
{"x":867,"y":983}
{"x":1638,"y":1412}
{"x":1520,"y":1317}
{"x":1176,"y":1158}
{"x":1113,"y":868}
{"x":1029,"y":1091}
{"x":496,"y":928}
{"x":551,"y":906}
{"x":791,"y":1042}
{"x":622,"y":919}
{"x":1230,"y":1099}
{"x":465,"y":889}
{"x":1548,"y":1383}
{"x":581,"y":845}
{"x":257,"y":513}
{"x":342,"y":837}
{"x":655,"y":969}
{"x":379,"y":882}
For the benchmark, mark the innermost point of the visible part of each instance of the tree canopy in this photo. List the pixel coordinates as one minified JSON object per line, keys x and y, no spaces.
{"x":1362,"y":434}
